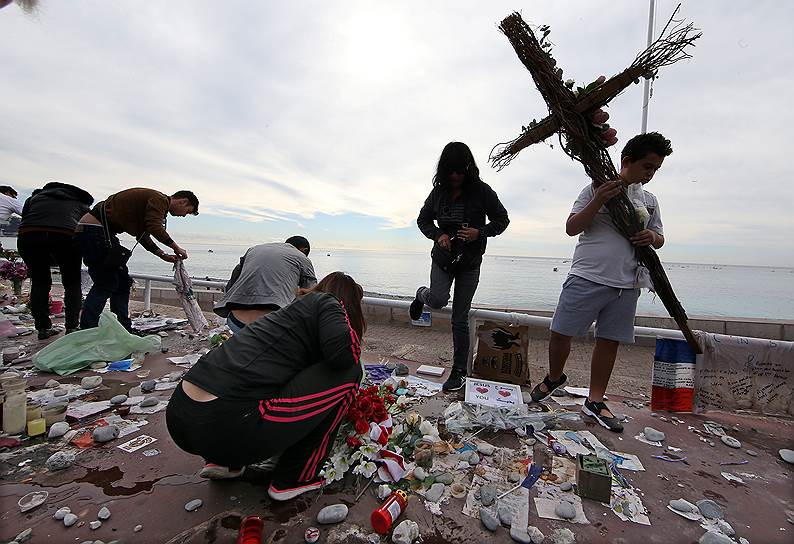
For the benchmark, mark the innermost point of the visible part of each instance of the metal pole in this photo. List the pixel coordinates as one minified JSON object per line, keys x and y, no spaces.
{"x":646,"y":93}
{"x":147,"y":295}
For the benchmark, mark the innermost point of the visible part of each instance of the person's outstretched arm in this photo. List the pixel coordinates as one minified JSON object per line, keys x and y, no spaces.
{"x":156,"y":210}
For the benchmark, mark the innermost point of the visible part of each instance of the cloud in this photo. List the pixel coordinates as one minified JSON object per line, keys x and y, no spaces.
{"x":286,"y":112}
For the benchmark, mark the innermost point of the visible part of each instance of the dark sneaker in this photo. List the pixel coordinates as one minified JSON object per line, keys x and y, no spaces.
{"x":416,"y":309}
{"x":455,"y":382}
{"x":48,"y":333}
{"x":286,"y":491}
{"x":538,"y":394}
{"x":70,"y":331}
{"x":598,"y":410}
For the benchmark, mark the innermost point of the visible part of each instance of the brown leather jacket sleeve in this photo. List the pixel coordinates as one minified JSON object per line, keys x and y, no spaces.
{"x":156,"y":210}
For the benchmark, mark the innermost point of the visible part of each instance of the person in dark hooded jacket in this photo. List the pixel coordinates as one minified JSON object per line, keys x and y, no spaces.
{"x":49,"y":218}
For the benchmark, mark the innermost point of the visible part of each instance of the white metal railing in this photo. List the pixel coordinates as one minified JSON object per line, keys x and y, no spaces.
{"x":512,"y":318}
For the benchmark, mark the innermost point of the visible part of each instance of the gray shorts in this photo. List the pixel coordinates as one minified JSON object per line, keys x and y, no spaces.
{"x":583,"y":301}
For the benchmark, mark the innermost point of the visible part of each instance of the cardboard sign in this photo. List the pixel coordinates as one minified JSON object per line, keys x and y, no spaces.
{"x":502,"y":353}
{"x":496,"y":394}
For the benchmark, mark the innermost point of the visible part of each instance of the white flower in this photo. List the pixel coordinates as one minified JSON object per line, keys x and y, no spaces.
{"x":413,"y":418}
{"x":329,"y":474}
{"x":369,"y":451}
{"x":366,"y":469}
{"x":341,"y":464}
{"x":427,"y":428}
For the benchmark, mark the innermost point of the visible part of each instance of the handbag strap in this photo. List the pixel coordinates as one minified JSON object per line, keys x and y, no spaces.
{"x":107,"y":229}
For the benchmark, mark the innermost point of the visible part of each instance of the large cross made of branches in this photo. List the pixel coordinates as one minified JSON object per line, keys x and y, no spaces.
{"x":570,"y":115}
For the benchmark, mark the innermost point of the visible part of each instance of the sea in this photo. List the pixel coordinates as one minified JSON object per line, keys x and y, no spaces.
{"x":529,"y":283}
{"x":513,"y":282}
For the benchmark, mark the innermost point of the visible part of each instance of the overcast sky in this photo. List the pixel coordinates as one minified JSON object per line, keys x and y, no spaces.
{"x":327,"y":118}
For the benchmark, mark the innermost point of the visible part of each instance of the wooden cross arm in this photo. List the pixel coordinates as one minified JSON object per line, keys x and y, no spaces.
{"x":598,"y":97}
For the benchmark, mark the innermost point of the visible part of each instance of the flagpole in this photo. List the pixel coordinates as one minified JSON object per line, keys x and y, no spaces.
{"x":646,"y":94}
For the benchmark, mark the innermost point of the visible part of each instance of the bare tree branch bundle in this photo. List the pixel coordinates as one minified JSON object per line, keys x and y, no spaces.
{"x":581,"y":140}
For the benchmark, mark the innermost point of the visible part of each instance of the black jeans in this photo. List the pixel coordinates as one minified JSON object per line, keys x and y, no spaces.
{"x":40,"y":250}
{"x":109,"y":283}
{"x":437,"y":296}
{"x":300,"y":422}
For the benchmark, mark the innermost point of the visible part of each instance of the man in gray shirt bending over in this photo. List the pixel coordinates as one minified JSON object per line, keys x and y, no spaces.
{"x":268,"y":278}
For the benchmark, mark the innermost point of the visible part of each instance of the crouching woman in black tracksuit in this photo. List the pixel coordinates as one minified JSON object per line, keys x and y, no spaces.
{"x":280,"y":386}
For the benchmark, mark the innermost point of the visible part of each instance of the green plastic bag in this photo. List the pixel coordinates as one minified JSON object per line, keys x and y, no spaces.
{"x":109,"y":342}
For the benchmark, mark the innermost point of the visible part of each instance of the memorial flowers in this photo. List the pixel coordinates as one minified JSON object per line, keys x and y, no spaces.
{"x":363,"y":442}
{"x":16,"y":272}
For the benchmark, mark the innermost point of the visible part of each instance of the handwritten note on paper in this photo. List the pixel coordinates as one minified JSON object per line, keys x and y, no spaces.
{"x":488,"y":393}
{"x":744,"y":373}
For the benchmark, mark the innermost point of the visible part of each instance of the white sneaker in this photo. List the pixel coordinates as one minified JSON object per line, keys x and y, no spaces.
{"x":217,"y":472}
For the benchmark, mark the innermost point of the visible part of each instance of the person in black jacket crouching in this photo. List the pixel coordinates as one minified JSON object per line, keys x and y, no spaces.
{"x":460,"y":202}
{"x":49,"y":218}
{"x":279,"y":387}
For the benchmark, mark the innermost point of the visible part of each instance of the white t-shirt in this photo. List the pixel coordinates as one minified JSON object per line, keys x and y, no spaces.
{"x":8,"y":207}
{"x":603,"y":255}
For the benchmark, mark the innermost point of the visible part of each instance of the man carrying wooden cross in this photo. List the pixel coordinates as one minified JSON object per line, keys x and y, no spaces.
{"x":619,"y":222}
{"x":605,"y":278}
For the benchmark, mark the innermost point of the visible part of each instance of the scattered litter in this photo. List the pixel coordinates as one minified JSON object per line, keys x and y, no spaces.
{"x":430,"y":370}
{"x":627,"y":505}
{"x":578,"y":391}
{"x":137,"y":443}
{"x":641,"y":437}
{"x":549,"y":497}
{"x":156,"y":324}
{"x":731,"y":478}
{"x":685,"y":509}
{"x":32,"y":500}
{"x":186,"y":360}
{"x":670,"y":458}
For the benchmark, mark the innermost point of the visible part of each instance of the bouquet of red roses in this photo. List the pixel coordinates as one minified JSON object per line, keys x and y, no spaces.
{"x":363,"y":434}
{"x":371,"y":405}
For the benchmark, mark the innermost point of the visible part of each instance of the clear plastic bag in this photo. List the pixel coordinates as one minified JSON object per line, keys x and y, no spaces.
{"x":636,"y":194}
{"x":460,"y":417}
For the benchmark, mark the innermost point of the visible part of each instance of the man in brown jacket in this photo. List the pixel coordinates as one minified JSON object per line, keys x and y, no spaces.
{"x":140,"y":213}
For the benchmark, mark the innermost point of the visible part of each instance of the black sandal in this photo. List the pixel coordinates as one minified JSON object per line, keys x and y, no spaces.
{"x":538,"y":395}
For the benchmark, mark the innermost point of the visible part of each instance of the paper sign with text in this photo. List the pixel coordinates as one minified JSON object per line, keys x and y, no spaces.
{"x":488,"y":393}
